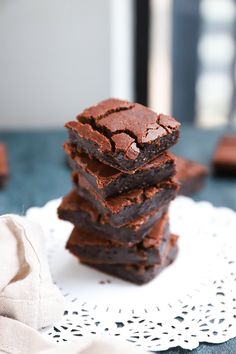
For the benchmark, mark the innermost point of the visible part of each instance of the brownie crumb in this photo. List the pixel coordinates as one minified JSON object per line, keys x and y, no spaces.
{"x":105,"y":281}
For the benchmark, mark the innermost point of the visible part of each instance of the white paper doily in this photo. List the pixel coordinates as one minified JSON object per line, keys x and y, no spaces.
{"x":192,"y":301}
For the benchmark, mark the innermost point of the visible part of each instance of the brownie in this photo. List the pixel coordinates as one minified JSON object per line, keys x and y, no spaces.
{"x":110,"y":182}
{"x":139,"y":274}
{"x":121,"y":134}
{"x":191,"y":175}
{"x":224,"y":159}
{"x":91,"y":247}
{"x":129,"y":206}
{"x":80,"y":212}
{"x":4,"y":172}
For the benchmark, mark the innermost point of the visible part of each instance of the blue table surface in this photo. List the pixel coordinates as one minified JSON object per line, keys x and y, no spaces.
{"x":39,"y":173}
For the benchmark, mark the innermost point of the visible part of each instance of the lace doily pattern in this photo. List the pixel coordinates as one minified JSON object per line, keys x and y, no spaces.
{"x":193,"y":301}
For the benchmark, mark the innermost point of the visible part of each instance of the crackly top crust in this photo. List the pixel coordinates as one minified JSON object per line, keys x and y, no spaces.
{"x":116,"y":125}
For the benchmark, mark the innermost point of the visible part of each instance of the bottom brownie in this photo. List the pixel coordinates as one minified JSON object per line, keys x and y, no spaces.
{"x":191,"y":175}
{"x":139,"y":274}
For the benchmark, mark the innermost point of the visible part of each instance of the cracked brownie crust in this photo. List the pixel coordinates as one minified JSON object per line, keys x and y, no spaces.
{"x":110,"y":182}
{"x":123,"y":135}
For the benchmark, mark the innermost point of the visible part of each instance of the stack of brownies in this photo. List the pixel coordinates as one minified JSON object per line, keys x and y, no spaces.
{"x":123,"y":185}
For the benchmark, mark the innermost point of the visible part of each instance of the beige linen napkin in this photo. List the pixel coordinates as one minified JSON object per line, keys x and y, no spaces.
{"x":17,"y":338}
{"x":27,"y":293}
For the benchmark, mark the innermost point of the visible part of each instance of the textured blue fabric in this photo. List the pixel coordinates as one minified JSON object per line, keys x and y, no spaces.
{"x":39,"y":173}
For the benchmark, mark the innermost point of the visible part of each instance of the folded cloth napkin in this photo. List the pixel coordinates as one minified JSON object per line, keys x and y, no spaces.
{"x":29,"y":299}
{"x":29,"y":341}
{"x":26,"y":340}
{"x":27,"y":293}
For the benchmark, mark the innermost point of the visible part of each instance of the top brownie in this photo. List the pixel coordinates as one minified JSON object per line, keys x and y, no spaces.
{"x":121,"y":134}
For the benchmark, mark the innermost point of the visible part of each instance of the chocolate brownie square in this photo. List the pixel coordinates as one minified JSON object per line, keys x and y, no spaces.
{"x":91,"y":247}
{"x":81,"y":213}
{"x":139,"y":274}
{"x":191,"y":175}
{"x":129,"y":206}
{"x":110,"y":182}
{"x":224,"y":159}
{"x":121,"y":134}
{"x":4,"y":172}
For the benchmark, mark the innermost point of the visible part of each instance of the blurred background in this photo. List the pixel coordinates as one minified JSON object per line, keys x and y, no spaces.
{"x":60,"y":56}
